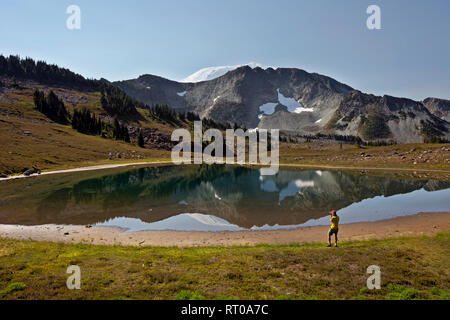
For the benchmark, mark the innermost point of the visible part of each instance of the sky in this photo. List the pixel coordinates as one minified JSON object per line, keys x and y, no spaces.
{"x":118,"y":40}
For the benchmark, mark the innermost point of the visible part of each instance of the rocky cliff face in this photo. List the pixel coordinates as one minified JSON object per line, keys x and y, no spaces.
{"x":439,"y":107}
{"x":297,"y":101}
{"x":386,"y":118}
{"x":155,"y":90}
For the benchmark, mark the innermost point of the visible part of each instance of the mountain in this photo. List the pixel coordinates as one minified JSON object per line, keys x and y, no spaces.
{"x":215,"y":72}
{"x":438,"y":107}
{"x":297,"y":102}
{"x":52,"y":117}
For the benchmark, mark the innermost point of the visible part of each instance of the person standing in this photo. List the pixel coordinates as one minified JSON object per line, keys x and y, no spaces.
{"x":334,"y":228}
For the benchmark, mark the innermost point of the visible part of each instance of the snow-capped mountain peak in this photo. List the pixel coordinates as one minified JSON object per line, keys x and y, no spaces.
{"x":210,"y":73}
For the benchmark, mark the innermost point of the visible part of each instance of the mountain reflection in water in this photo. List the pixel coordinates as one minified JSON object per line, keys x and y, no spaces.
{"x":220,"y":197}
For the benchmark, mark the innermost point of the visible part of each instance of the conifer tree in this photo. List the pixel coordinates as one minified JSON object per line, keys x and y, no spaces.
{"x":141,"y":142}
{"x":51,"y":106}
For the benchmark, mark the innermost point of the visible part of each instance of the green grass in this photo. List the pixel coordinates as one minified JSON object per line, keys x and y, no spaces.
{"x":15,"y":286}
{"x":189,"y":295}
{"x":411,"y":268}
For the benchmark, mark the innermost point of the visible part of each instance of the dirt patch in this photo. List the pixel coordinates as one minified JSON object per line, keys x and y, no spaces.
{"x":419,"y":224}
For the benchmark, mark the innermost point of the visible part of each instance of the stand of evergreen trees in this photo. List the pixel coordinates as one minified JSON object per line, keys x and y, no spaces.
{"x":114,"y":100}
{"x":374,"y":126}
{"x":335,"y":137}
{"x":167,"y":114}
{"x":140,"y":140}
{"x":117,"y":102}
{"x":14,"y":66}
{"x":433,"y":130}
{"x":51,"y":106}
{"x":120,"y":132}
{"x":210,"y":123}
{"x":192,"y":116}
{"x":86,"y":122}
{"x":164,"y":113}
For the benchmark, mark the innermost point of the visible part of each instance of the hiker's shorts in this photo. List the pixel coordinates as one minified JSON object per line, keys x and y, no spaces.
{"x":331,"y":231}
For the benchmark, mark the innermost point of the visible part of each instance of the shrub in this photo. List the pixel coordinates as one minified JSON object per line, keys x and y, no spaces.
{"x":15,"y":286}
{"x":189,"y":295}
{"x":440,"y":294}
{"x":364,"y":290}
{"x":399,"y":292}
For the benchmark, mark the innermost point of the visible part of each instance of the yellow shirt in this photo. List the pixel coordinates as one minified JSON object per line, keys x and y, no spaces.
{"x":334,"y":222}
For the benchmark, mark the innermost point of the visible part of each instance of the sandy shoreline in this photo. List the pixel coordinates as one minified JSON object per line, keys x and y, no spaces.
{"x":90,"y":168}
{"x":419,"y":224}
{"x":119,"y":165}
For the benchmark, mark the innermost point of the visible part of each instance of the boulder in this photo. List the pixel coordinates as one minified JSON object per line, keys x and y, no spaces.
{"x":28,"y":172}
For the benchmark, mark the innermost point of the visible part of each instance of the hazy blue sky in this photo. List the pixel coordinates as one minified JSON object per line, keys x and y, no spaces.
{"x":123,"y":39}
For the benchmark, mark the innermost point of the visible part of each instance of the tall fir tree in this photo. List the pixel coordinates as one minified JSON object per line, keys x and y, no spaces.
{"x":141,"y":142}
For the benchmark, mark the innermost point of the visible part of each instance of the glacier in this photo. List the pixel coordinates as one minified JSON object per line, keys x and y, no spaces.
{"x":210,"y":73}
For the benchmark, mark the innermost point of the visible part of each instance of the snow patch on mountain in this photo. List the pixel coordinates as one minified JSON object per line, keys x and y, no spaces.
{"x":290,"y":103}
{"x":210,"y":73}
{"x":182,"y":94}
{"x":300,"y":110}
{"x":268,"y":108}
{"x":293,"y":188}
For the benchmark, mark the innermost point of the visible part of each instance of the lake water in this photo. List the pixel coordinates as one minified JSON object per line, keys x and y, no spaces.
{"x":214,"y":198}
